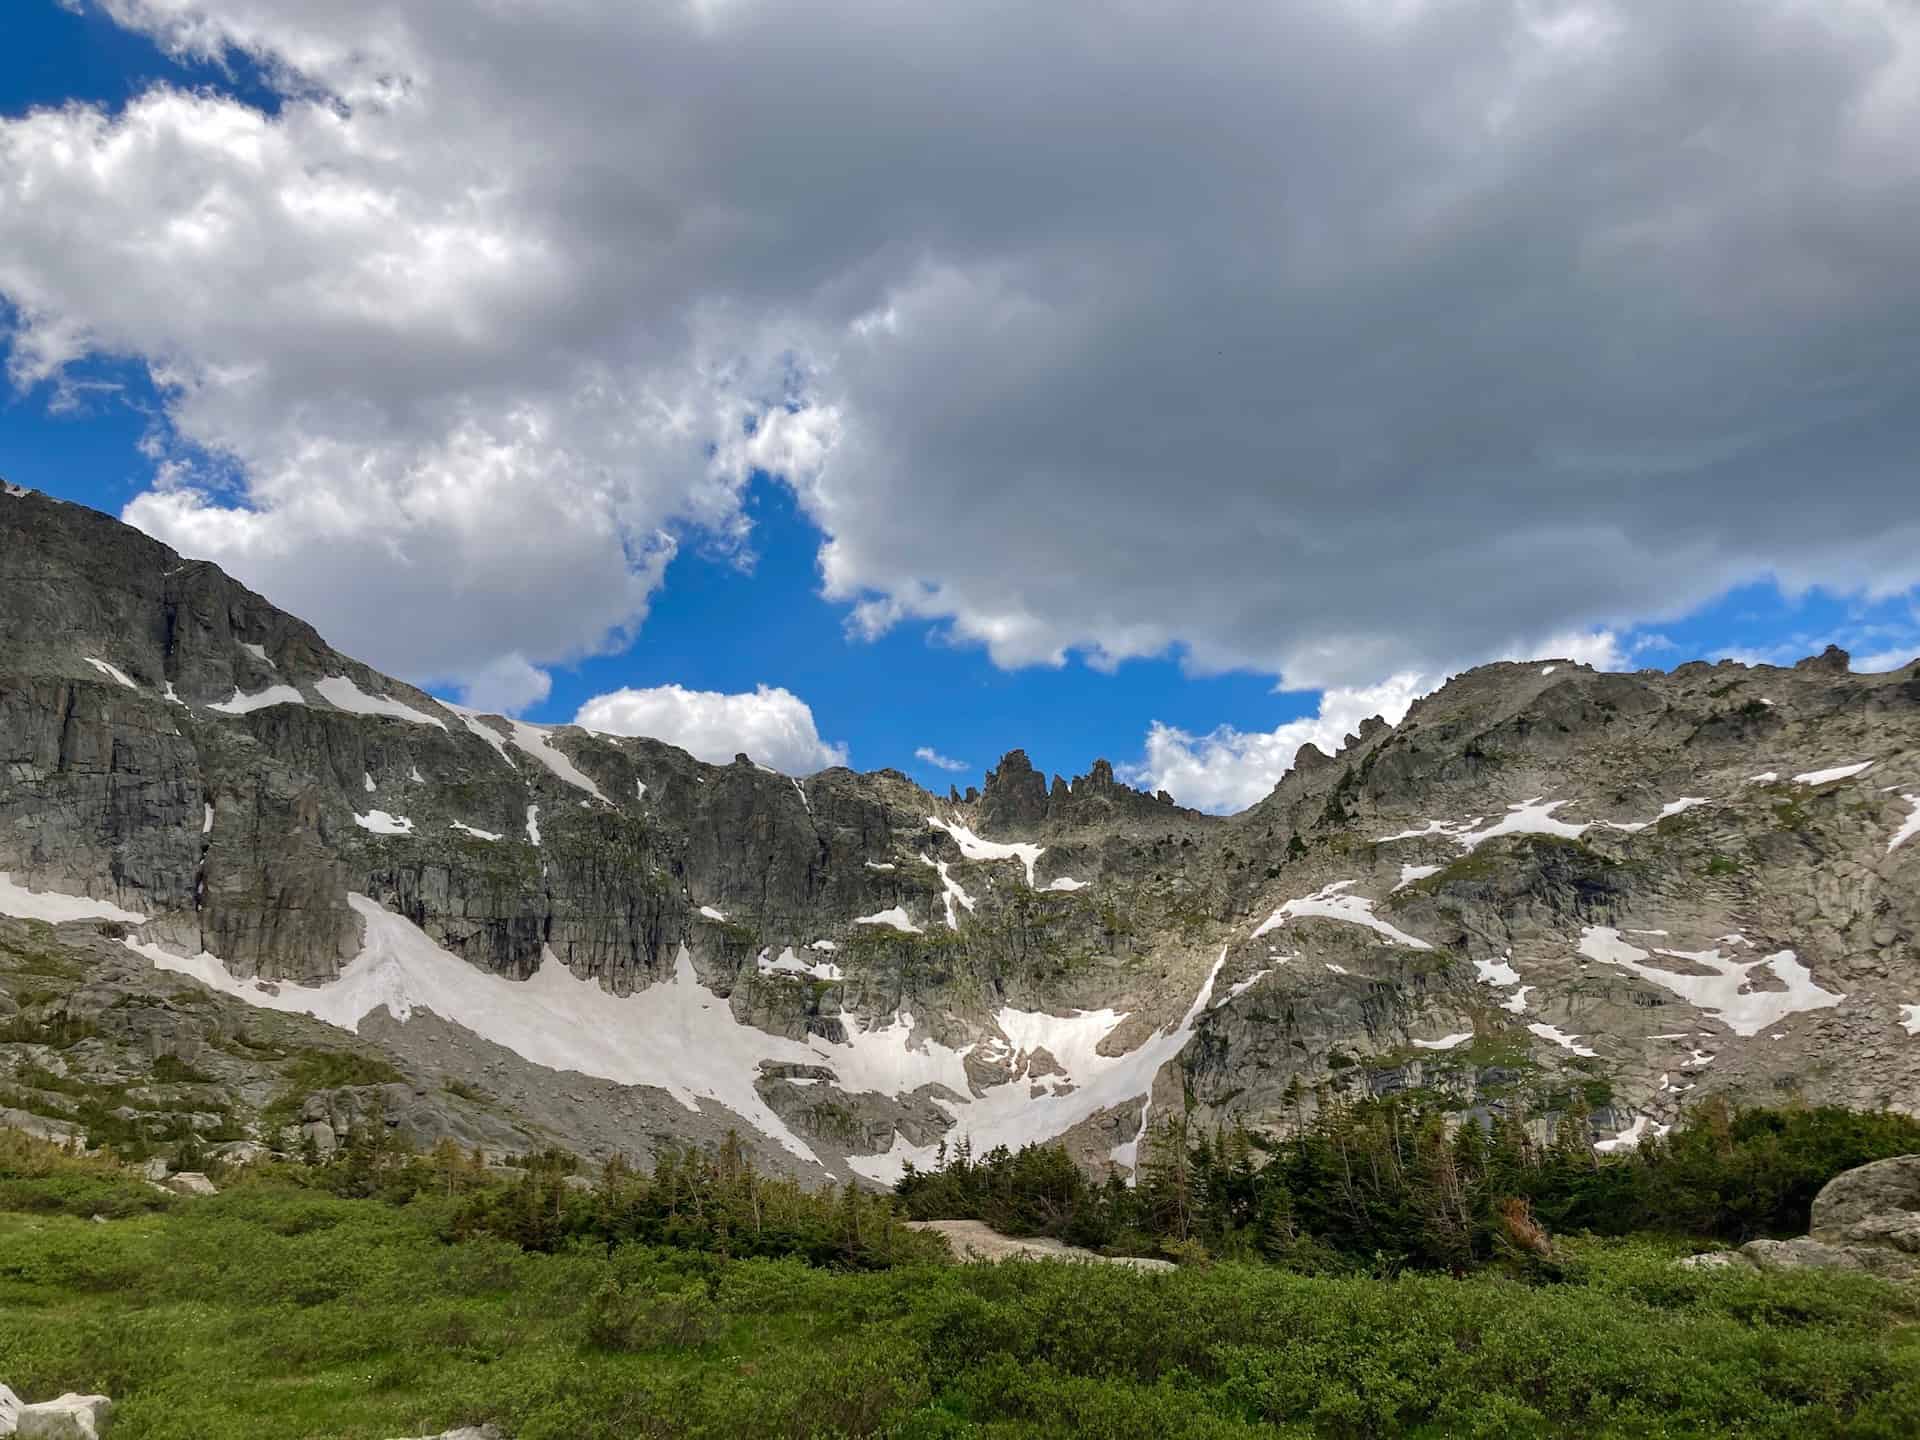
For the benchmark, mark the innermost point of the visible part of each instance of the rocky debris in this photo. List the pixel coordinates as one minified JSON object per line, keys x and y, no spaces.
{"x":71,"y":1417}
{"x":976,"y":1240}
{"x":1867,"y":1218}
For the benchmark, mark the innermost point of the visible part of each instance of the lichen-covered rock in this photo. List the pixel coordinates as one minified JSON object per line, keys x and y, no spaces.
{"x":1864,"y":1193}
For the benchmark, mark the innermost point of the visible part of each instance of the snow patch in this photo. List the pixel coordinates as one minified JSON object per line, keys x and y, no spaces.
{"x":1725,"y":992}
{"x":533,"y":825}
{"x":381,"y":823}
{"x":111,"y":672}
{"x":206,"y":825}
{"x":1630,"y":1138}
{"x":1765,"y":777}
{"x":896,"y":917}
{"x":1411,"y":873}
{"x":711,"y":913}
{"x":1517,"y":1002}
{"x":950,"y":891}
{"x":259,"y":652}
{"x":167,"y":693}
{"x":1825,"y":777}
{"x":473,"y":830}
{"x":881,"y":865}
{"x":533,"y":740}
{"x":1560,"y":1038}
{"x":675,"y":1035}
{"x":55,"y":907}
{"x":245,"y":704}
{"x":1065,"y":882}
{"x":340,"y":692}
{"x":1909,"y":828}
{"x":974,"y":848}
{"x":1445,"y":1042}
{"x":1909,"y":1014}
{"x":1497,"y":972}
{"x":1333,"y":903}
{"x":368,"y":778}
{"x":791,"y":964}
{"x":471,"y":719}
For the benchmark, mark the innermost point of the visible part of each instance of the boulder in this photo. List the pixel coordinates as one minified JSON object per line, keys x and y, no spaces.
{"x":1882,"y":1188}
{"x":9,"y":1411}
{"x":467,"y":1432}
{"x":1717,"y":1260}
{"x":191,"y":1182}
{"x":71,"y":1417}
{"x":1801,"y":1253}
{"x":155,"y":1170}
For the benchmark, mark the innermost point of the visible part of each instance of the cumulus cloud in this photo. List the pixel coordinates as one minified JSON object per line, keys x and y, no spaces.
{"x":1321,"y":339}
{"x":940,"y":762}
{"x":506,"y":686}
{"x":1230,"y":769}
{"x":772,"y":725}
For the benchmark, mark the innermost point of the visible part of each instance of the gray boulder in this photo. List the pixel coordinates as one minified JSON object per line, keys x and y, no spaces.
{"x":191,"y":1182}
{"x":1883,"y":1188}
{"x":9,"y":1411}
{"x":71,"y":1417}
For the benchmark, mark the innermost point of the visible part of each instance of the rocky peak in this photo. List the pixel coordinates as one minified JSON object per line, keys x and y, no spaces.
{"x":1830,"y":661}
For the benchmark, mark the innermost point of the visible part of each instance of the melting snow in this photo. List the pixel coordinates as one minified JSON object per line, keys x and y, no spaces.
{"x":1332,"y":903}
{"x":1724,"y":993}
{"x":1411,"y":873}
{"x":896,"y":917}
{"x":1765,"y":777}
{"x":1631,"y":1137}
{"x":473,"y":830}
{"x":166,"y":693}
{"x":1064,"y":882}
{"x":1517,"y":1002}
{"x":272,"y":695}
{"x":880,"y":865}
{"x":639,"y":789}
{"x":675,"y":1035}
{"x":54,"y":907}
{"x":381,"y":823}
{"x":1676,"y":807}
{"x":533,"y":740}
{"x":259,"y":652}
{"x":1337,"y":969}
{"x":1497,"y":972}
{"x":1838,"y":772}
{"x":206,"y":825}
{"x":1548,"y":669}
{"x":827,"y":945}
{"x":471,"y":719}
{"x":974,"y":848}
{"x":533,"y":824}
{"x":711,"y":913}
{"x":340,"y":692}
{"x":791,"y":964}
{"x":951,"y":891}
{"x":1236,"y":991}
{"x":1560,"y":1038}
{"x":369,"y":783}
{"x":414,"y":775}
{"x":1911,"y":826}
{"x":111,"y":672}
{"x":1445,"y":1042}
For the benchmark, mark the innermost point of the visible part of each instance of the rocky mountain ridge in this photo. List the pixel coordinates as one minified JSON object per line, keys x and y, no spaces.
{"x":1547,"y":888}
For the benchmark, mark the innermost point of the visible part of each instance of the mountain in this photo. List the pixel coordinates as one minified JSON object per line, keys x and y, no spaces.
{"x":1547,"y":890}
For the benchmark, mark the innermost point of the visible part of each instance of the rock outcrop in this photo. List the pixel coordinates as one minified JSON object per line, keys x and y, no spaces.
{"x":1865,"y":1219}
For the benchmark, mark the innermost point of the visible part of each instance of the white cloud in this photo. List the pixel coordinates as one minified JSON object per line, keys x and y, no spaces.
{"x":1230,"y":769}
{"x":1886,"y":660}
{"x":772,"y":725}
{"x":1325,"y":363}
{"x":506,"y":686}
{"x":940,"y":762}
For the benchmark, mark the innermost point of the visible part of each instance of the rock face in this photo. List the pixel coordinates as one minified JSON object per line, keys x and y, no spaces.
{"x":1646,"y":888}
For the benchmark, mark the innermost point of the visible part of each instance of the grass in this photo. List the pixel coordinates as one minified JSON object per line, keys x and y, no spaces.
{"x":276,"y":1311}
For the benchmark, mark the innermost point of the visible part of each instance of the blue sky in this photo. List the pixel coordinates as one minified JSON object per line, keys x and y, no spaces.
{"x":922,"y":420}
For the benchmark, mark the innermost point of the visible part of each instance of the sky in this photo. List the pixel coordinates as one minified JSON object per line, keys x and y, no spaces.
{"x":884,"y":383}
